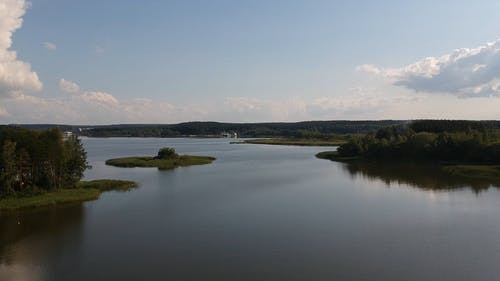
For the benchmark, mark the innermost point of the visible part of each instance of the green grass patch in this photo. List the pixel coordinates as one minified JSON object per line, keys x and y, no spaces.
{"x":84,"y":191}
{"x":162,"y":164}
{"x":295,"y":141}
{"x":107,"y":185}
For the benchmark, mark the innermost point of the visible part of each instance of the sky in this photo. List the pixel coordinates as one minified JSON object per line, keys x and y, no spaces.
{"x":109,"y":62}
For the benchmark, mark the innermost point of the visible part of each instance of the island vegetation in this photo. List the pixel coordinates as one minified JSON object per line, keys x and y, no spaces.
{"x":166,"y":159}
{"x":462,"y":148}
{"x":41,"y":168}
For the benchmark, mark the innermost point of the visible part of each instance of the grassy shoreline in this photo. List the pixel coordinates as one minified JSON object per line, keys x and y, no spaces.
{"x":294,"y":142}
{"x":162,"y":164}
{"x":463,"y":170}
{"x":84,"y":191}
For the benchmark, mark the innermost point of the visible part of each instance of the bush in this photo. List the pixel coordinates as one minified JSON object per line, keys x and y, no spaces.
{"x":167,"y":153}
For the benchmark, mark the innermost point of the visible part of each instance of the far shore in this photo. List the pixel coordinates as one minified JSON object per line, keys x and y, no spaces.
{"x":294,"y":141}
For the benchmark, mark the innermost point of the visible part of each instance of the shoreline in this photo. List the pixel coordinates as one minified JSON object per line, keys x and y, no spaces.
{"x":292,"y":142}
{"x":84,"y":191}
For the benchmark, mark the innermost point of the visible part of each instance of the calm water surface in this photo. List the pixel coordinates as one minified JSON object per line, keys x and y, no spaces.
{"x":259,"y":213}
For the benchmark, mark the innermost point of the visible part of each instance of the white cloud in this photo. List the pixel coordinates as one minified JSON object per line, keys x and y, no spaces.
{"x":251,"y":109}
{"x":357,"y":104}
{"x":464,"y":72}
{"x":15,"y":76}
{"x":99,"y":49}
{"x":3,"y":112}
{"x":68,"y":86}
{"x":50,"y":46}
{"x":99,"y":98}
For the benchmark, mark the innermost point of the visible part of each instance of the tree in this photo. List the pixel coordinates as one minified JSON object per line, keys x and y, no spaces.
{"x":75,"y":161}
{"x":167,"y":153}
{"x":8,"y":167}
{"x":39,"y":159}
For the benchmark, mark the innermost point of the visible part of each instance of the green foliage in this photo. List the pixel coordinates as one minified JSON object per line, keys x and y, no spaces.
{"x":352,"y":148}
{"x":464,"y":142}
{"x":74,"y":161}
{"x":8,"y":167}
{"x":440,"y":126}
{"x":167,"y":153}
{"x":38,"y":160}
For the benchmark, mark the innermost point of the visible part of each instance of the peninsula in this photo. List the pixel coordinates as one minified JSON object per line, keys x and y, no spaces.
{"x":462,"y":148}
{"x":83,"y":191}
{"x":45,"y":168}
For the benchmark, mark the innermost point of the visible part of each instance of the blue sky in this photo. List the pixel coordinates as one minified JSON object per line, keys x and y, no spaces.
{"x":171,"y":61}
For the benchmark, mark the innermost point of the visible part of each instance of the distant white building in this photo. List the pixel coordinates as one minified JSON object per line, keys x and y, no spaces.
{"x":229,"y":135}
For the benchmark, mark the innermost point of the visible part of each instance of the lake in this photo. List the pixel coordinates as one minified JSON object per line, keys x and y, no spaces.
{"x":259,"y":212}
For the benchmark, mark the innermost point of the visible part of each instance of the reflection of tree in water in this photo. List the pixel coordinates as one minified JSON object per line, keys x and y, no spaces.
{"x":50,"y":223}
{"x":424,"y":176}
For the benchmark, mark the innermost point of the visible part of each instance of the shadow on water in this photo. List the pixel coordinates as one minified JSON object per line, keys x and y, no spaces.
{"x":422,"y":176}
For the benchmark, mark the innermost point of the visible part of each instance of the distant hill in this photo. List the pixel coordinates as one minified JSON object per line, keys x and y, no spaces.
{"x":251,"y":130}
{"x":275,"y":129}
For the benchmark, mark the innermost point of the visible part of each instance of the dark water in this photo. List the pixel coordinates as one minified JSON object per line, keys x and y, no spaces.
{"x":259,"y":213}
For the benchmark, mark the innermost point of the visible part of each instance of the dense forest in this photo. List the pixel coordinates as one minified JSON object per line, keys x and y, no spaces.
{"x":439,"y":140}
{"x":308,"y":129}
{"x":33,"y":161}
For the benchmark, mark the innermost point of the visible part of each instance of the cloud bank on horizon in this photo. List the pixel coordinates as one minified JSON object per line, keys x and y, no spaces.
{"x":444,"y":82}
{"x":465,"y":72}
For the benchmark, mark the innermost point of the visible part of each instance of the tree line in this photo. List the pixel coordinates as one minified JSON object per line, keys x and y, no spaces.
{"x":454,"y":141}
{"x":306,"y":129}
{"x":33,"y":161}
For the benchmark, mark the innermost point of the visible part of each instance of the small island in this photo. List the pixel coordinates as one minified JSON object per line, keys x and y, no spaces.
{"x":467,"y":149}
{"x":166,"y":159}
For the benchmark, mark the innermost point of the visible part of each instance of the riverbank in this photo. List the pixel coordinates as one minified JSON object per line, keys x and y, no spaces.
{"x":84,"y":191}
{"x":294,"y":141}
{"x":162,"y":164}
